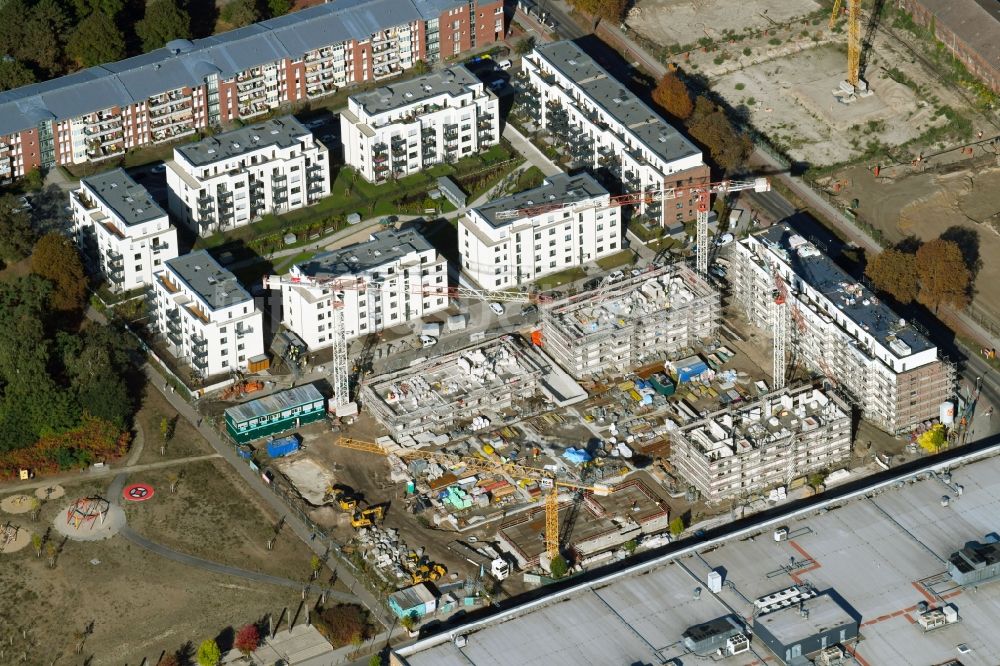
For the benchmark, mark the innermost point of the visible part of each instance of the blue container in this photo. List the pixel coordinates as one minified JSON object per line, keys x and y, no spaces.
{"x":283,"y":446}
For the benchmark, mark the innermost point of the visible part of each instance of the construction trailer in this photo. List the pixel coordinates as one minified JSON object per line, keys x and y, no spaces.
{"x":621,"y":325}
{"x":275,"y":413}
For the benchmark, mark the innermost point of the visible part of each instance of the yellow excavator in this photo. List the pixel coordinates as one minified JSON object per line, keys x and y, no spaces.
{"x":368,"y":517}
{"x":342,"y":495}
{"x":427,"y":573}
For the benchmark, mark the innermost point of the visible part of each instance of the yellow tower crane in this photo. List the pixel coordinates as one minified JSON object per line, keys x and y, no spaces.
{"x":482,"y":465}
{"x":853,"y":38}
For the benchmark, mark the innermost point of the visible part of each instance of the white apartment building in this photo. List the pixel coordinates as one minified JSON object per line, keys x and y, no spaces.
{"x":116,"y":222}
{"x":232,"y":179}
{"x":737,"y":453}
{"x":502,"y":253}
{"x":393,"y":278}
{"x":605,"y":126}
{"x":403,"y":128}
{"x":840,"y":329}
{"x":208,"y":321}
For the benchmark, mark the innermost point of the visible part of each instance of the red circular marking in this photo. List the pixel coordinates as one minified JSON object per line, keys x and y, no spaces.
{"x":137,"y":492}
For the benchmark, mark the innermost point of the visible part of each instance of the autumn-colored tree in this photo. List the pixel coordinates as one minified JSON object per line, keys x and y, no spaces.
{"x":247,"y":640}
{"x":57,"y":260}
{"x":710,"y":126}
{"x":673,"y":97}
{"x":943,"y":274}
{"x":209,"y":653}
{"x":676,"y":526}
{"x":345,"y":624}
{"x":895,"y":273}
{"x":933,"y":440}
{"x":169,"y":659}
{"x":612,"y":10}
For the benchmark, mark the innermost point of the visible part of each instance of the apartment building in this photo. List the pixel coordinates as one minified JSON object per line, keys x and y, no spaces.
{"x":168,"y":93}
{"x":840,"y":329}
{"x":207,"y":320}
{"x":735,"y":453}
{"x":604,"y":126}
{"x":394,"y":277}
{"x":543,"y":238}
{"x":406,"y":127}
{"x":121,"y":229}
{"x":232,"y":179}
{"x":636,"y":320}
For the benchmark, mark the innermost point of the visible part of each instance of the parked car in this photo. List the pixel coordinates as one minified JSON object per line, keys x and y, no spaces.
{"x":724,"y":239}
{"x":497,"y":308}
{"x":503,"y":64}
{"x":529,"y":309}
{"x":427,"y":341}
{"x":616,"y":275}
{"x":636,"y":272}
{"x":159,"y":168}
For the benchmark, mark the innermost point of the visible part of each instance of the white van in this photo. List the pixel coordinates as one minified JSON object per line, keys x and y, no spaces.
{"x":503,"y":64}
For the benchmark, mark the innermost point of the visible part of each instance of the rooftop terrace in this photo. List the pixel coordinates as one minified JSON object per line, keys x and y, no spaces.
{"x":283,"y":132}
{"x":453,"y":81}
{"x":129,"y":200}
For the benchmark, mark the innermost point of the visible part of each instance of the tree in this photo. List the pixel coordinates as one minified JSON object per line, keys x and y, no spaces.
{"x":169,"y":659}
{"x":247,"y":640}
{"x":58,"y":261}
{"x":17,"y":236}
{"x":933,"y":440}
{"x":238,"y":13}
{"x":209,"y":653}
{"x":676,"y":526}
{"x":409,"y":621}
{"x":558,"y":567}
{"x":943,"y":274}
{"x":375,"y":660}
{"x":172,"y":479}
{"x":13,"y":74}
{"x":346,"y":623}
{"x":96,"y":40}
{"x":315,"y":564}
{"x":109,"y":8}
{"x":612,"y":10}
{"x":36,"y":507}
{"x":167,"y":427}
{"x":710,"y":126}
{"x":420,"y":67}
{"x":36,"y":542}
{"x":525,"y":46}
{"x":44,"y":29}
{"x":278,"y":7}
{"x":164,"y":20}
{"x":895,"y":273}
{"x":51,"y":550}
{"x":672,"y":95}
{"x":630,"y":546}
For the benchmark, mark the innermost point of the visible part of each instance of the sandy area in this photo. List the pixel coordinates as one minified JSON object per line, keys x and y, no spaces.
{"x":310,"y":478}
{"x":96,"y":530}
{"x":685,"y":21}
{"x":16,"y":504}
{"x":19,"y":543}
{"x":51,"y":492}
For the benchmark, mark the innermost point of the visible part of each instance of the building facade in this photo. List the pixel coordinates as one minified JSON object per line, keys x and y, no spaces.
{"x":630,"y":322}
{"x":785,"y":435}
{"x":160,"y":96}
{"x":841,"y":330}
{"x":815,"y":623}
{"x":391,"y":279}
{"x":606,"y":127}
{"x":275,"y":413}
{"x":499,"y":252}
{"x":206,"y":319}
{"x":404,"y":128}
{"x":116,"y":222}
{"x":232,"y":179}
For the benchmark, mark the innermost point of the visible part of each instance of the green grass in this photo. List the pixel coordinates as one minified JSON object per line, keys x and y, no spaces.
{"x":562,"y":277}
{"x":283,"y":264}
{"x":617,"y":260}
{"x":530,"y":178}
{"x":644,"y":233}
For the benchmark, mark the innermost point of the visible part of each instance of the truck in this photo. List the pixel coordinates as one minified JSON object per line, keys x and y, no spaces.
{"x":499,"y":568}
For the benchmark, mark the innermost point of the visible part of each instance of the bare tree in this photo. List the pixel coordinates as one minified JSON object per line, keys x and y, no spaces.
{"x":36,"y":507}
{"x":51,"y":550}
{"x":36,"y":541}
{"x":173,"y":478}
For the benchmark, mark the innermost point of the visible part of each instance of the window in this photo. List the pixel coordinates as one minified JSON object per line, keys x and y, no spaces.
{"x":137,"y":256}
{"x":225,"y":363}
{"x":222,"y":341}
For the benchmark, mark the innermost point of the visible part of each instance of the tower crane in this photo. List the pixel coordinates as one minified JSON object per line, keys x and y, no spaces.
{"x":546,"y":479}
{"x":702,"y":194}
{"x":853,"y":39}
{"x":341,"y":364}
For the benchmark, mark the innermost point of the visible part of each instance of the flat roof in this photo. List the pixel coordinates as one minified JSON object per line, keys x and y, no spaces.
{"x":129,"y":200}
{"x":974,"y":556}
{"x":183,"y":63}
{"x":283,"y":132}
{"x":383,"y":247}
{"x":274,"y":403}
{"x":557,"y":189}
{"x":610,"y":94}
{"x":798,"y":622}
{"x":202,"y":274}
{"x":453,"y":81}
{"x":851,"y":297}
{"x":416,"y":595}
{"x":881,"y":553}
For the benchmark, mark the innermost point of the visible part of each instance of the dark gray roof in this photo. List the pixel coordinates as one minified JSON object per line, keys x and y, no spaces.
{"x":861,"y":306}
{"x":136,"y":79}
{"x":560,"y":188}
{"x":453,"y":81}
{"x":384,"y":247}
{"x":203,"y":275}
{"x":610,"y":94}
{"x":274,"y":403}
{"x":129,"y":200}
{"x":973,"y":21}
{"x":975,"y":555}
{"x":282,"y":132}
{"x":790,"y":626}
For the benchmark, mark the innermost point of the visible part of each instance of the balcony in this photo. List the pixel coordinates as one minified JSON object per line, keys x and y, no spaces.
{"x":200,"y":362}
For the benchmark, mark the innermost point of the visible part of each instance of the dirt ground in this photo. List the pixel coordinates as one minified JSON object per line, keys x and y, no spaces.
{"x":186,"y":440}
{"x":685,"y":21}
{"x":926,"y":204}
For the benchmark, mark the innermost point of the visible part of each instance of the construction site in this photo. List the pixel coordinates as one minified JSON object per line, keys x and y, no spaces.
{"x":630,"y":322}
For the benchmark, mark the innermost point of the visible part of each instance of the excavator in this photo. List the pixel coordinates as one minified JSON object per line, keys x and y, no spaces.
{"x":368,"y":517}
{"x":423,"y":570}
{"x":342,"y":495}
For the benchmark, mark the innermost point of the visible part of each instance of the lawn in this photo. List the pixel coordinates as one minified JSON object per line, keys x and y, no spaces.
{"x":559,"y":279}
{"x":530,"y":178}
{"x":617,"y":260}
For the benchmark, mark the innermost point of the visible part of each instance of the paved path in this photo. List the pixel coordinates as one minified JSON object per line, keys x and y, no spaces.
{"x":534,"y":155}
{"x":223,"y":569}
